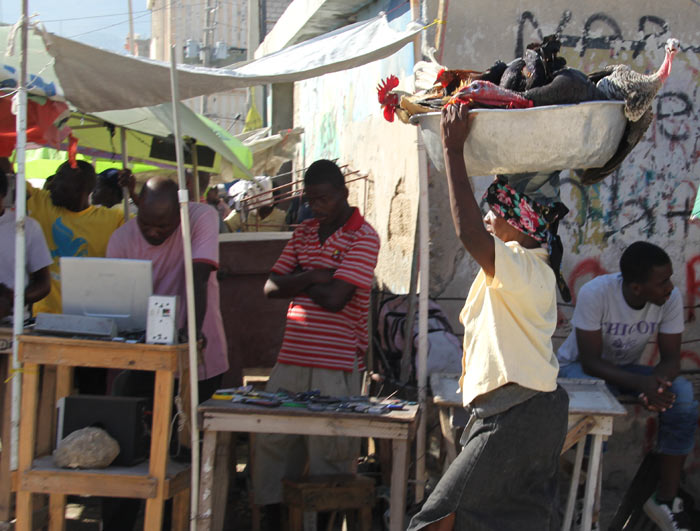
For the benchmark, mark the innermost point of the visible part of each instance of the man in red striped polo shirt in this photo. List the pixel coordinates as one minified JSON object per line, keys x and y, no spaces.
{"x":327,"y":270}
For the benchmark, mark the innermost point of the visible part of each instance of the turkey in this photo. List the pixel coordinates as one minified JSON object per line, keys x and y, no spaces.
{"x":620,"y":82}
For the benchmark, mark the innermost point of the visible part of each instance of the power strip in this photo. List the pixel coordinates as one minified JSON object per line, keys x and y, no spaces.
{"x":161,"y":325}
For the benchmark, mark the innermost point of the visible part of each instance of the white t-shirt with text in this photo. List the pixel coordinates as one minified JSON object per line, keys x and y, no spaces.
{"x":626,"y":331}
{"x":37,"y":252}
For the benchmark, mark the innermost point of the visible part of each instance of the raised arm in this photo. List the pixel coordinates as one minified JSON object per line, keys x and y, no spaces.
{"x":466,"y":214}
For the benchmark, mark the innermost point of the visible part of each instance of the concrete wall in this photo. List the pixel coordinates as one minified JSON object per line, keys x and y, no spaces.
{"x":648,"y":199}
{"x":175,"y":23}
{"x":342,"y":120}
{"x":651,"y":196}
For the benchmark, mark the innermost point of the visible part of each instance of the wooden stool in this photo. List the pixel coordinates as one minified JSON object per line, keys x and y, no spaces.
{"x":351,"y":493}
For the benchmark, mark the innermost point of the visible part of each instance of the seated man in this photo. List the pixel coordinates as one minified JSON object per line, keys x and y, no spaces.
{"x":155,"y":235}
{"x":327,"y":270}
{"x":616,"y":316}
{"x":37,"y":257}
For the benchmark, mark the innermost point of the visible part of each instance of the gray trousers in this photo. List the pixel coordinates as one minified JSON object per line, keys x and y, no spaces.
{"x":279,"y":456}
{"x":506,"y":476}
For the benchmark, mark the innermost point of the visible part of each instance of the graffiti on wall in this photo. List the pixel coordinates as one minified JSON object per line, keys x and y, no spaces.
{"x":651,"y":195}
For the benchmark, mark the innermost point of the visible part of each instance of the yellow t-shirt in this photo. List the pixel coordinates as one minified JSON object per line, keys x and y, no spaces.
{"x":508,"y":324}
{"x":275,"y":221}
{"x":67,"y":233}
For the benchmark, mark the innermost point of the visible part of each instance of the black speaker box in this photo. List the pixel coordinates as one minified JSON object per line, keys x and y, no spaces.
{"x":127,"y":419}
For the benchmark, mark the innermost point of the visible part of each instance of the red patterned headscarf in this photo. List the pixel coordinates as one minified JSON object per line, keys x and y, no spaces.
{"x":538,"y":221}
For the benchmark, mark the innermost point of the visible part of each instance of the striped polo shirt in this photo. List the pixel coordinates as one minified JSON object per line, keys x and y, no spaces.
{"x":313,"y":336}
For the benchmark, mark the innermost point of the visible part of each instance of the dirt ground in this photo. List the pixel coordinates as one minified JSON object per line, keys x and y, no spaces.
{"x":83,"y":514}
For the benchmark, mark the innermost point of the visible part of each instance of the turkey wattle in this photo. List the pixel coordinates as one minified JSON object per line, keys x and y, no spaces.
{"x":620,"y":82}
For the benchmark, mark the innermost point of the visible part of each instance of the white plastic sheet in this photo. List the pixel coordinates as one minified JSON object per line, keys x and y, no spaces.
{"x":97,"y":80}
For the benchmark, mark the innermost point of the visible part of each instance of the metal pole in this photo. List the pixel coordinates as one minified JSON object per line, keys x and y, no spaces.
{"x":189,"y":279}
{"x":424,"y":281}
{"x":406,"y":360}
{"x":20,"y":250}
{"x":195,"y":172}
{"x":207,"y":47}
{"x":125,"y":163}
{"x":132,"y":47}
{"x":424,"y":288}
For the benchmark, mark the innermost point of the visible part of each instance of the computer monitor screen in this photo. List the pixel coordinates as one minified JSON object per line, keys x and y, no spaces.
{"x":116,"y":288}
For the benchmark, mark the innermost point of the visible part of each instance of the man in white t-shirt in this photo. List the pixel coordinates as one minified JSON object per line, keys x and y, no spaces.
{"x":37,"y":257}
{"x":616,"y":316}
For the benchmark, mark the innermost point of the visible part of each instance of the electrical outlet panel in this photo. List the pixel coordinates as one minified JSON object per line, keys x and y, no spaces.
{"x":161,"y":325}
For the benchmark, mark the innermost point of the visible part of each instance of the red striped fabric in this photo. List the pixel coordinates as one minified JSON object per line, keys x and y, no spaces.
{"x":315,"y":337}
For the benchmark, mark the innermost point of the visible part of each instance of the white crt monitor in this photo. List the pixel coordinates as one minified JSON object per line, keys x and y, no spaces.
{"x":116,"y":288}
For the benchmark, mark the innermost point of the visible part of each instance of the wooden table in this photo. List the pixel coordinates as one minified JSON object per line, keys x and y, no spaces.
{"x":592,"y":408}
{"x":218,"y":418}
{"x":155,"y":480}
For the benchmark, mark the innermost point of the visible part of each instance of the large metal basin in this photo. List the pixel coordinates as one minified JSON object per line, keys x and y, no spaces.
{"x":541,"y":139}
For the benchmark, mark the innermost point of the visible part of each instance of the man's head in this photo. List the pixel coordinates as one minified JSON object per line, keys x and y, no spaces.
{"x":646,"y":272}
{"x":159,"y":214}
{"x":325,"y":191}
{"x":107,"y":191}
{"x":212,"y":195}
{"x":71,"y":187}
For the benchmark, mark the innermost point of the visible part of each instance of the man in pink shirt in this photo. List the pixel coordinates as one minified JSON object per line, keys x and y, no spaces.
{"x":155,"y":235}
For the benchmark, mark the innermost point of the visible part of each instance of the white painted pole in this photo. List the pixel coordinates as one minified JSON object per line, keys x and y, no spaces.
{"x":423,"y":293}
{"x":424,"y":286}
{"x":191,"y":323}
{"x":20,"y":214}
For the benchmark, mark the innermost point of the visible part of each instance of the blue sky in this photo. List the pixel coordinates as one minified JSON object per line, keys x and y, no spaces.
{"x":101,"y":23}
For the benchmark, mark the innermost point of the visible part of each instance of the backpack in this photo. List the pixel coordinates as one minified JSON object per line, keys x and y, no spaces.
{"x":444,"y":347}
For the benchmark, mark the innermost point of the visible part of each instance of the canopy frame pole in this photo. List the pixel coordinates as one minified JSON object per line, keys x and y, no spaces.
{"x":189,"y":281}
{"x":195,"y":172}
{"x":125,"y":164}
{"x":424,"y":285}
{"x":20,"y":238}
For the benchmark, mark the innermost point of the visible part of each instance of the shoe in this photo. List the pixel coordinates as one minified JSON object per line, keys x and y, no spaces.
{"x":668,"y":517}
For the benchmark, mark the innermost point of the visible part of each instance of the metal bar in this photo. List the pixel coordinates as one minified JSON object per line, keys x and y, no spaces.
{"x":20,"y":241}
{"x":189,"y":280}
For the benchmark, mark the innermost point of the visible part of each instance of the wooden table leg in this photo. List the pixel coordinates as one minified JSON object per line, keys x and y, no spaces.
{"x":27,"y":439}
{"x":399,"y":476}
{"x":181,"y":511}
{"x":162,"y":409}
{"x":448,"y":436}
{"x":206,"y":482}
{"x":5,"y":414}
{"x":591,"y":483}
{"x":57,"y":512}
{"x":573,"y":488}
